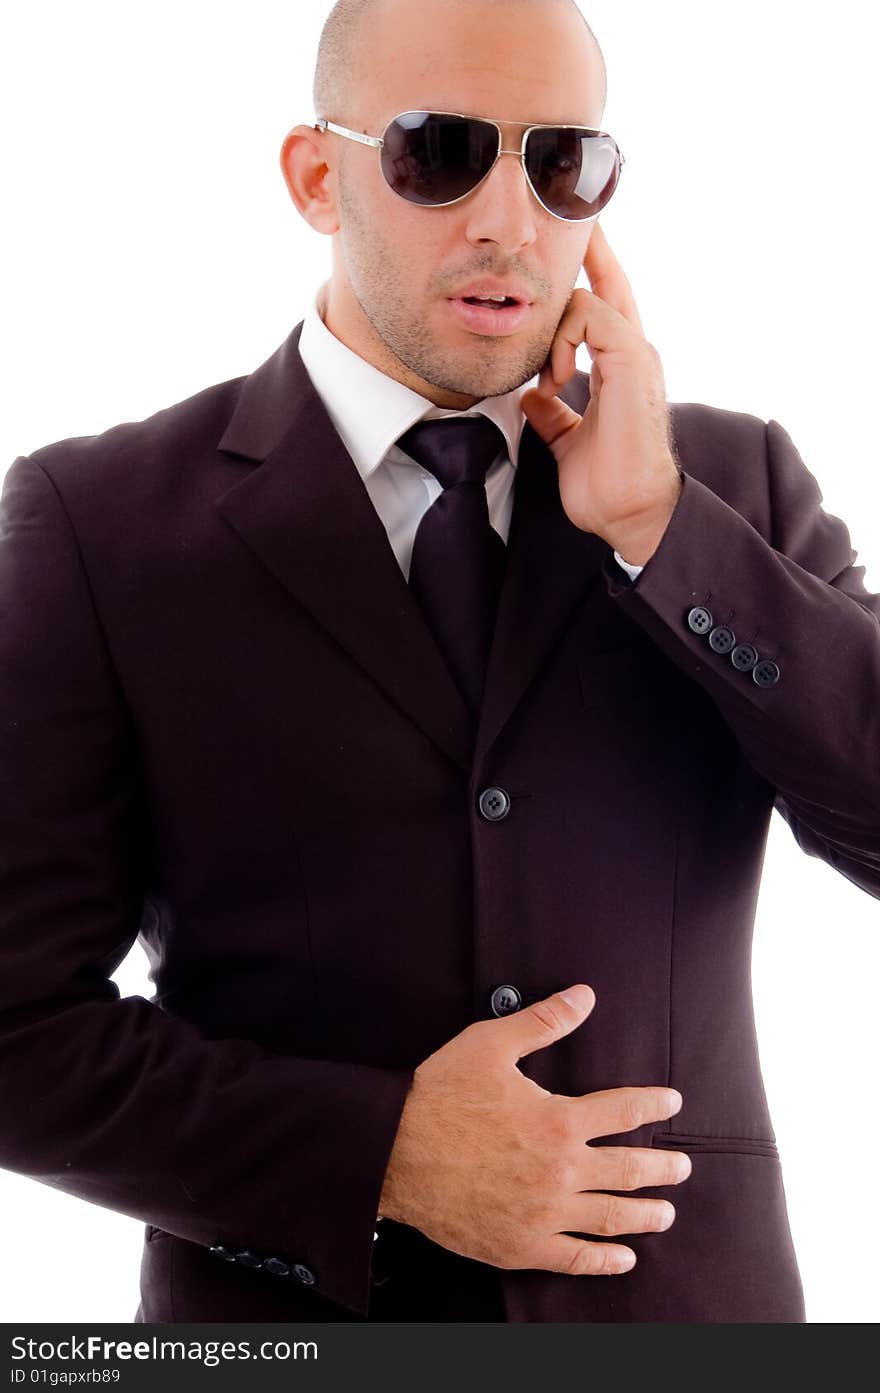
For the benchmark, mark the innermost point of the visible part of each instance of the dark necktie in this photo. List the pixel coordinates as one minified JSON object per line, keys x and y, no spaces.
{"x":458,"y":558}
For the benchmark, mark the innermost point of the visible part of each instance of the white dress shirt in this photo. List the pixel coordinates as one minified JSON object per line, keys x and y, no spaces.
{"x":371,"y":410}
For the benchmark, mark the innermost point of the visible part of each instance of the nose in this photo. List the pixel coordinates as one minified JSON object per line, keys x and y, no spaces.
{"x":503,"y":208}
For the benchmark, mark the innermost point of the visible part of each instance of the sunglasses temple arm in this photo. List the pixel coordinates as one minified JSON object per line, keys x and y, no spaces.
{"x":374,"y":140}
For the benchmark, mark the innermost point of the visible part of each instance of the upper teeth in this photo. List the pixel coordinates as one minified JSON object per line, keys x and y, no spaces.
{"x":490,"y":297}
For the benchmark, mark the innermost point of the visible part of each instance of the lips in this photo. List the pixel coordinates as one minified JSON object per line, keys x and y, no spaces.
{"x":486,"y":320}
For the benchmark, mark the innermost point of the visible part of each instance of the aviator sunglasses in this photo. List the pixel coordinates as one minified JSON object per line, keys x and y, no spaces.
{"x":437,"y":158}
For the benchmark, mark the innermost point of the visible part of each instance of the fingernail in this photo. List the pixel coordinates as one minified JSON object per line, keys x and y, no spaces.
{"x":578,"y":997}
{"x":673,"y":1102}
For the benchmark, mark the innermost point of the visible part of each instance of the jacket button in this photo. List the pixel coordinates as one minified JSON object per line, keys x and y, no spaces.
{"x":722,"y":639}
{"x":505,"y":1000}
{"x":700,"y":620}
{"x":225,"y":1253}
{"x":248,"y":1259}
{"x":744,"y":657}
{"x":276,"y":1267}
{"x":303,"y":1274}
{"x":765,"y":673}
{"x":494,"y":804}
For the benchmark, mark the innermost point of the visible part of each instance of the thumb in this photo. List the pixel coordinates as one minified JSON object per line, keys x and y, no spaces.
{"x":549,"y":416}
{"x":546,"y":1021}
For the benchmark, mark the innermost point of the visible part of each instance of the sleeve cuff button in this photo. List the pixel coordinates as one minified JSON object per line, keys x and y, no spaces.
{"x":765,"y":673}
{"x":744,"y":657}
{"x":700,"y":620}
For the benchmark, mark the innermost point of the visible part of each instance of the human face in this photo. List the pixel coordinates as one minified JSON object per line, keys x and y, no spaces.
{"x":398,"y":266}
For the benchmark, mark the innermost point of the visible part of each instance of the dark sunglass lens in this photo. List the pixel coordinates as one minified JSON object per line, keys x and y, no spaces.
{"x":430,"y":158}
{"x":574,"y":172}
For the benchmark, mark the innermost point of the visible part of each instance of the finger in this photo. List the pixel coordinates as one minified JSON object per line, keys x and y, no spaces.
{"x":549,"y":417}
{"x":608,"y":279}
{"x":596,"y":1213}
{"x":543,"y":1022}
{"x":614,"y":1110}
{"x":562,"y":1253}
{"x":595,"y":381}
{"x":631,"y":1167}
{"x":546,"y":386}
{"x":587,"y":319}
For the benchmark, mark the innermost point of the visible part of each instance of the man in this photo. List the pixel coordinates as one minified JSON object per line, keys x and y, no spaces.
{"x":440,"y":809}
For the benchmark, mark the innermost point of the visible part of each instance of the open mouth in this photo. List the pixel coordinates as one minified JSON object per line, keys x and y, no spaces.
{"x":506,"y":303}
{"x":489,"y":317}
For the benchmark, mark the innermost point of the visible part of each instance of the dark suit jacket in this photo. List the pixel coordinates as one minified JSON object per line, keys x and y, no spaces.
{"x":226,"y":728}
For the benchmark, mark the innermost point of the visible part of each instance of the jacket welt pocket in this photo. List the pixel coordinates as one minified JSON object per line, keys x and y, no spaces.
{"x":691,"y":1141}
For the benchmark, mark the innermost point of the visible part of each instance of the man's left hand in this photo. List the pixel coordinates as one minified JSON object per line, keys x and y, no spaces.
{"x":618,"y":476}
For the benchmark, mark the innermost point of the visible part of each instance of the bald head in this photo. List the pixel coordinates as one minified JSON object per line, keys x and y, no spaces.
{"x":398,"y":265}
{"x":344,"y":72}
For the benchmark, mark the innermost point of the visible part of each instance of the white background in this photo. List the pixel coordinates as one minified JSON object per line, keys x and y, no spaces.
{"x":151,"y":249}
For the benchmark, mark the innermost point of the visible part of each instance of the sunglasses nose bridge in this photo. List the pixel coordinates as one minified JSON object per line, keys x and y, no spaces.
{"x":521,"y":156}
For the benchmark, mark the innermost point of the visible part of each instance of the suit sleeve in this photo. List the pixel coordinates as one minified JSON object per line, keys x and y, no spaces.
{"x":109,"y":1098}
{"x":798,"y":598}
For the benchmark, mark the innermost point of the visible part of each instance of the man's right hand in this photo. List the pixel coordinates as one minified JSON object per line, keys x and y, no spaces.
{"x":490,"y":1165}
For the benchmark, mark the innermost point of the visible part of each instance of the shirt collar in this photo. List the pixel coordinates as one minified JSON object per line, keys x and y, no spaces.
{"x":370,"y":410}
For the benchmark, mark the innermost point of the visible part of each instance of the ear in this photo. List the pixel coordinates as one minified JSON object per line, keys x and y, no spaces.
{"x":310,"y":179}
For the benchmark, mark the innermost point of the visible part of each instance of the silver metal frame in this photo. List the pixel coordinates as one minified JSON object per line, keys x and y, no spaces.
{"x":378,"y":141}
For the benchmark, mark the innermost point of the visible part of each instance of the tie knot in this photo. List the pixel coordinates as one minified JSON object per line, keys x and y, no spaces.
{"x":456,"y":449}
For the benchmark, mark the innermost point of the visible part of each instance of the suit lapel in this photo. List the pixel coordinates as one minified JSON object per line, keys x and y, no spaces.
{"x":305,"y":513}
{"x":551,"y":564}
